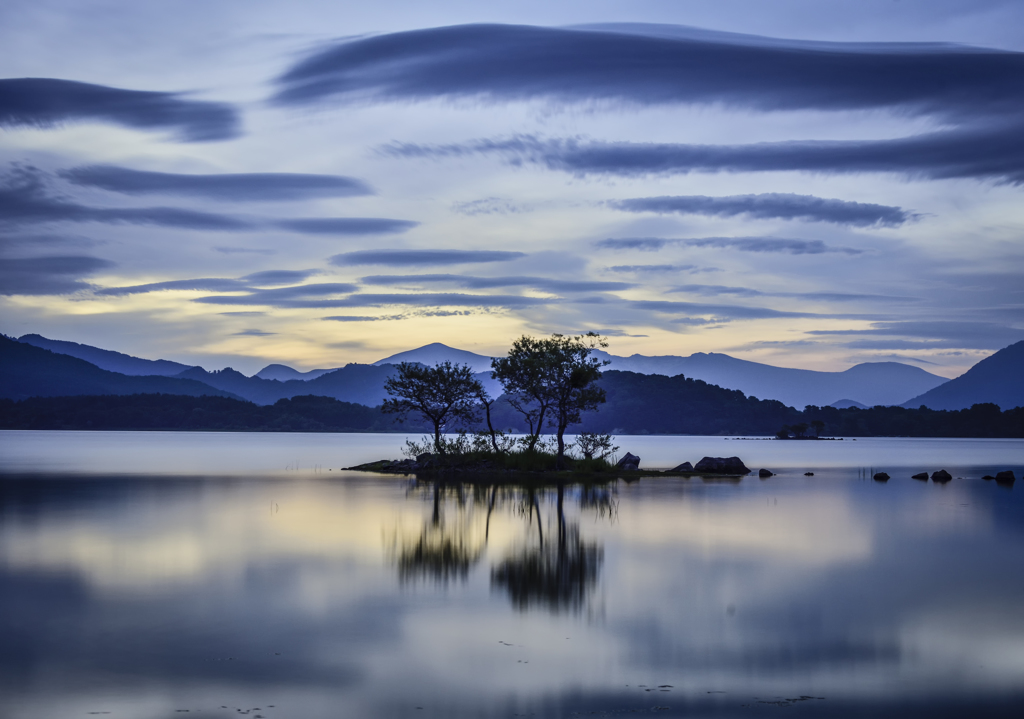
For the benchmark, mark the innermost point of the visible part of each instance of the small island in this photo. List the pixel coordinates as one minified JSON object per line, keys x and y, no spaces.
{"x":551,"y":382}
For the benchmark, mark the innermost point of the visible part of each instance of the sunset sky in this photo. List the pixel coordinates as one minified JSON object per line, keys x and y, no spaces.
{"x":803,"y":183}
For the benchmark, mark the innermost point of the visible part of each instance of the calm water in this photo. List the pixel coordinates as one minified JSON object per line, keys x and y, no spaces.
{"x":147,"y":575}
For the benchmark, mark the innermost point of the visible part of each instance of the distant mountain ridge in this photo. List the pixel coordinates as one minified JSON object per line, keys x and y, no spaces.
{"x":998,"y":379}
{"x":30,"y":371}
{"x":868,"y":384}
{"x":107,"y":359}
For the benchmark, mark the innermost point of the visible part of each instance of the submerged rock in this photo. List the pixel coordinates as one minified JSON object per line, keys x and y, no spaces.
{"x":988,"y":476}
{"x":1006,"y":477}
{"x":765,"y":473}
{"x":881,"y":477}
{"x":808,"y":474}
{"x":721,"y":465}
{"x":684,"y":467}
{"x":941,"y":476}
{"x":628,"y":463}
{"x":921,"y":475}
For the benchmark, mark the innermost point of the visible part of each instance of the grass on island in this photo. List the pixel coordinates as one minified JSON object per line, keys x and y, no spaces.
{"x":486,"y":462}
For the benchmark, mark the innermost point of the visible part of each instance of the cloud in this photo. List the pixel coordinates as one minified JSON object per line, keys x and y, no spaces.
{"x":208,"y":284}
{"x":364,"y":318}
{"x":992,"y":150}
{"x":743,"y":244}
{"x":58,"y":275}
{"x":714,"y":290}
{"x":381,"y":300}
{"x":249,"y":283}
{"x":405,"y":258}
{"x":243,"y":251}
{"x":676,"y":65}
{"x":242,"y":187}
{"x":478,"y":283}
{"x":46,"y":102}
{"x":346,"y":225}
{"x":25,"y":199}
{"x":488,"y":206}
{"x":929,"y":334}
{"x":403,"y":316}
{"x":729,"y":312}
{"x":253,"y":333}
{"x":279,"y":277}
{"x":773,"y":205}
{"x":655,"y":268}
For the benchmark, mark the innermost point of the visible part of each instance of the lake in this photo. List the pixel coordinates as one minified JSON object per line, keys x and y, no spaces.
{"x":151,"y":575}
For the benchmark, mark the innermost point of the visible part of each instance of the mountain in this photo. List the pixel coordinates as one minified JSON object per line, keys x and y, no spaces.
{"x":998,"y":379}
{"x":436,"y":353}
{"x":107,"y":359}
{"x":847,"y":404}
{"x":357,"y":383}
{"x":870,"y":383}
{"x":283,"y":373}
{"x":30,"y":371}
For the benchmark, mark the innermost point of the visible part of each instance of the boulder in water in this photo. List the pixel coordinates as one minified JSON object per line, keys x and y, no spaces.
{"x":721,"y":465}
{"x":764,"y":473}
{"x":1005,"y":477}
{"x":941,"y":476}
{"x":881,"y":477}
{"x":921,"y":475}
{"x":684,"y":467}
{"x":628,"y":463}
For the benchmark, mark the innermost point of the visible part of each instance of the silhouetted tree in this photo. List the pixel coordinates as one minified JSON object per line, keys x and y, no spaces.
{"x":555,"y":375}
{"x":441,"y":394}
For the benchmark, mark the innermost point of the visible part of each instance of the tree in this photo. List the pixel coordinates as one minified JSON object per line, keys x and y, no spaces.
{"x":552,"y":380}
{"x":444,"y":393}
{"x":818,"y":426}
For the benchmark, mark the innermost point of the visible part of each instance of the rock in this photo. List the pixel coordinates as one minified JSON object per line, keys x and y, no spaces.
{"x":921,"y":475}
{"x":684,"y":467}
{"x":1005,"y":477}
{"x":629,"y":463}
{"x":988,"y":476}
{"x":941,"y":476}
{"x":765,"y":473}
{"x":881,"y":477}
{"x":721,"y":465}
{"x":808,"y":474}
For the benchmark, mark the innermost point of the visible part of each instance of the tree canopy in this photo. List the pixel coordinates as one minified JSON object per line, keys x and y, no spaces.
{"x":442,"y":394}
{"x":552,"y":380}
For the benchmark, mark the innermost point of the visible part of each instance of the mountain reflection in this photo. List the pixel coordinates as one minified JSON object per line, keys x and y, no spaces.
{"x":549,"y":564}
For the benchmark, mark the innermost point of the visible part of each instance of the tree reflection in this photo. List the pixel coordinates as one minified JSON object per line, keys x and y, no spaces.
{"x":557,"y":572}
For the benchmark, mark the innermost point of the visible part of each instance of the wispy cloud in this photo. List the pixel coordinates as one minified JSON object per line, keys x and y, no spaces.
{"x":346,"y":225}
{"x":59,"y":275}
{"x":478,"y":283}
{"x":676,"y":65}
{"x":743,"y":244}
{"x":46,"y":102}
{"x":990,"y":150}
{"x":27,"y":199}
{"x":774,"y":205}
{"x":239,"y":187}
{"x":424,"y":299}
{"x":928,"y":334}
{"x":405,"y":258}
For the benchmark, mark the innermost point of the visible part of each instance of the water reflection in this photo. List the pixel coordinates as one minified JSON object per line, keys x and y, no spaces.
{"x":555,"y":571}
{"x":371,"y":596}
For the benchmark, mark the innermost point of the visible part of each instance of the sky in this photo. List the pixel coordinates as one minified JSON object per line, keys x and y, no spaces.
{"x":313,"y":183}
